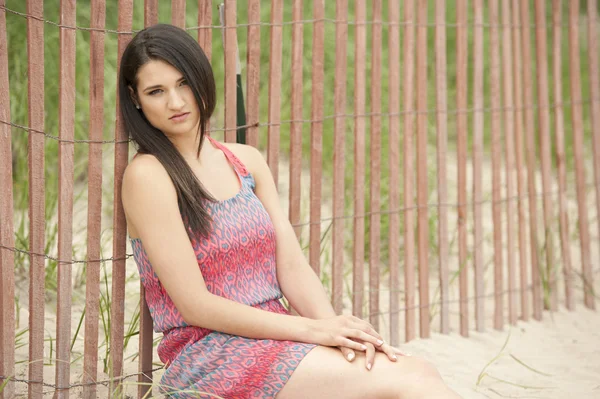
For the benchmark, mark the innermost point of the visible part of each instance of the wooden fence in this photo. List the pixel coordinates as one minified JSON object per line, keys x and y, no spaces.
{"x":501,"y":96}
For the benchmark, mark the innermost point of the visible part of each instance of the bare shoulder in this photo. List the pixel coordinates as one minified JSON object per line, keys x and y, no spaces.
{"x":147,"y":190}
{"x":249,"y":155}
{"x":146,"y":181}
{"x":143,"y":171}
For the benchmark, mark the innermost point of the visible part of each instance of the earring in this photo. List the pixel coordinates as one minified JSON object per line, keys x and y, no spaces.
{"x":137,"y":106}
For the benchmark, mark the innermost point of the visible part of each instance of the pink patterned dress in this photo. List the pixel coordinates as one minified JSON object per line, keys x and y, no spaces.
{"x":237,"y":261}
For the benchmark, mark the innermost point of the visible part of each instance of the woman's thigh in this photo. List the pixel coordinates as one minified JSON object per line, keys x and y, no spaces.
{"x":325,"y":373}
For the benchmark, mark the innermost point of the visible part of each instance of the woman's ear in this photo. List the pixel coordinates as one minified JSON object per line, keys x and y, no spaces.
{"x":134,"y":97}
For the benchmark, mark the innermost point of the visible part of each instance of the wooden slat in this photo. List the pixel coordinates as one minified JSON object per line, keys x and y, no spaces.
{"x":422,"y":178}
{"x":66,"y":172}
{"x":409,"y":214}
{"x":478,"y":104}
{"x":275,"y":50}
{"x":339,"y":131}
{"x":296,"y":114}
{"x":146,"y":325}
{"x":178,"y":13}
{"x":7,"y":239}
{"x":360,"y":73}
{"x":150,"y":12}
{"x":577,"y":120}
{"x":37,"y":219}
{"x":205,"y":19}
{"x":519,"y":160}
{"x":462,"y":126}
{"x":145,"y":347}
{"x":205,"y":34}
{"x":230,"y":44}
{"x":117,"y":307}
{"x":543,"y":130}
{"x":375,"y":186}
{"x":96,"y":127}
{"x":496,"y":115}
{"x":316,"y":134}
{"x":559,"y":128}
{"x":508,"y":117}
{"x":592,"y":35}
{"x":394,"y":166}
{"x":442,"y":144}
{"x":528,"y":103}
{"x":253,"y":72}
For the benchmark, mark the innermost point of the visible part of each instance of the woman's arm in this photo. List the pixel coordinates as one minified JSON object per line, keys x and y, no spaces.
{"x":150,"y":204}
{"x":298,"y":281}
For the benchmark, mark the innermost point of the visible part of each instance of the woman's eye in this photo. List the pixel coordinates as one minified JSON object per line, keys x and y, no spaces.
{"x":155,"y":91}
{"x":183,"y":83}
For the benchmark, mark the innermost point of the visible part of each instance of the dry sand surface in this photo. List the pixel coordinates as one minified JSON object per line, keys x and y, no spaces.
{"x":556,"y":358}
{"x":560,"y":358}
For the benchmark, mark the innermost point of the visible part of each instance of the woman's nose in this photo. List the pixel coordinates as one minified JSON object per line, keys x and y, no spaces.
{"x":175,"y":100}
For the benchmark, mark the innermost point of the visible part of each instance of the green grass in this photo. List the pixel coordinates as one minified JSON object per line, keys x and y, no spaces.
{"x":4,"y":383}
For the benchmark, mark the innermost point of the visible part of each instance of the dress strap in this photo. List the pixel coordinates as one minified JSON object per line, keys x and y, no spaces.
{"x":235,"y":161}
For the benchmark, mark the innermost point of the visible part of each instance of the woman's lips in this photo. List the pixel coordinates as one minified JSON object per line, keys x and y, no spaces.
{"x":180,"y":117}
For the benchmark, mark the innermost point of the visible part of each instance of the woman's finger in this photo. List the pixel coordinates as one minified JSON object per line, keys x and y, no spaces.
{"x":389,"y":351}
{"x":400,"y":352}
{"x":394,"y":350}
{"x":350,"y":344}
{"x":369,"y":356}
{"x":367,"y":327}
{"x":348,"y":353}
{"x":360,"y":335}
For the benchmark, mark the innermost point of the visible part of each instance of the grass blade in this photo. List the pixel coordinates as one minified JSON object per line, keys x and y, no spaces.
{"x":483,"y":373}
{"x":514,"y":384}
{"x":78,"y":328}
{"x":4,"y":384}
{"x":529,"y":367}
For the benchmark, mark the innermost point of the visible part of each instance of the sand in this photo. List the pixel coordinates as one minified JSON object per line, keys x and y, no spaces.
{"x":561,"y":356}
{"x":556,"y":358}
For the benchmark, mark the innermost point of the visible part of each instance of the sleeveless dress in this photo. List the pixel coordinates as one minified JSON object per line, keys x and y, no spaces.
{"x":237,"y":261}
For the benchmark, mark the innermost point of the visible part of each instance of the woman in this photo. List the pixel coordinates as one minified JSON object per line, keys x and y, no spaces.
{"x":215,"y":253}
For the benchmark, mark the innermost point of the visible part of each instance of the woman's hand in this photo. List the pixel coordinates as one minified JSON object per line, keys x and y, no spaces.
{"x":348,"y":353}
{"x":350,"y":334}
{"x":391,"y":352}
{"x":344,"y":331}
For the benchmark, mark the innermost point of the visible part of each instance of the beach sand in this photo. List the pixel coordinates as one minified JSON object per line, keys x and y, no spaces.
{"x":558,"y":357}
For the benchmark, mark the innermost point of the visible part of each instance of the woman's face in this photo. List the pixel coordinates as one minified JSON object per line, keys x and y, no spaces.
{"x":166,"y":99}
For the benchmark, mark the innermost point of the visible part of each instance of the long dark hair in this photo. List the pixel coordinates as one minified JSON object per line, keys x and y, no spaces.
{"x":175,"y":47}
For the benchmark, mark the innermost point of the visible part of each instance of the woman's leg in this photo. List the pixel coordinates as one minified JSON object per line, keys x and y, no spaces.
{"x":324,"y":373}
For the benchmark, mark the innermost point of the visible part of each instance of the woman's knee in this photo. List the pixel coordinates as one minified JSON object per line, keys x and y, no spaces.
{"x":409,"y":377}
{"x":423,"y":369}
{"x":415,"y":376}
{"x":421,"y":378}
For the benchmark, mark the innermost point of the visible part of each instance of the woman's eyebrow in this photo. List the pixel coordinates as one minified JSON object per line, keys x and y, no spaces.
{"x":158,"y":86}
{"x":152,"y":87}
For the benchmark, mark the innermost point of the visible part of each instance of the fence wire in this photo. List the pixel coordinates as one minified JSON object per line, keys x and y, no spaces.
{"x":363,"y":215}
{"x":470,"y":299}
{"x":320,"y":120}
{"x":79,"y":385}
{"x":285,"y":23}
